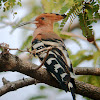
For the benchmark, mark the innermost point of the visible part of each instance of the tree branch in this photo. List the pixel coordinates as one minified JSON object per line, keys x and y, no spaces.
{"x":87,"y":71}
{"x":9,"y":62}
{"x":11,"y":86}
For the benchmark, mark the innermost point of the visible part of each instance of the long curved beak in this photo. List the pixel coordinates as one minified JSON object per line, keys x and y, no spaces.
{"x":25,"y":23}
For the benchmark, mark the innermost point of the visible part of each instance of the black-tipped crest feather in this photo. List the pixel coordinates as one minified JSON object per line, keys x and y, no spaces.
{"x":64,"y":15}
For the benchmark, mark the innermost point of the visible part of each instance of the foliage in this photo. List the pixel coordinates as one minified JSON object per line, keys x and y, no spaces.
{"x":94,"y":80}
{"x":73,"y":12}
{"x":86,"y":27}
{"x":52,"y":5}
{"x":8,"y":4}
{"x":87,"y":13}
{"x":96,"y":58}
{"x":80,"y":57}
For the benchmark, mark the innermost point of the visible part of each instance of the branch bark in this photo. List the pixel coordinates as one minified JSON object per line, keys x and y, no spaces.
{"x":11,"y":86}
{"x":9,"y":62}
{"x":87,"y":71}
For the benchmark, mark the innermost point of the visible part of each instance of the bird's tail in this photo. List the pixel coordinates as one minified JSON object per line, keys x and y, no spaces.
{"x":73,"y":93}
{"x":72,"y":87}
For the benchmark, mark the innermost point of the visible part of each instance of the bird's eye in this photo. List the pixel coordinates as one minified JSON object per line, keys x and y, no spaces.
{"x":42,"y":18}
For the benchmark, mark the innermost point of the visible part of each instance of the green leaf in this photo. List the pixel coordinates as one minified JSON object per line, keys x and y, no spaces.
{"x":42,"y":87}
{"x":19,"y":3}
{"x":73,"y":12}
{"x":86,"y":27}
{"x":52,"y":5}
{"x":98,"y":1}
{"x":89,"y":15}
{"x":38,"y":97}
{"x":94,"y":80}
{"x":0,"y":4}
{"x":98,"y":39}
{"x":9,"y":4}
{"x":92,"y":11}
{"x":64,"y":9}
{"x":4,"y":0}
{"x":80,"y":57}
{"x":96,"y":56}
{"x":15,"y":13}
{"x":3,"y":16}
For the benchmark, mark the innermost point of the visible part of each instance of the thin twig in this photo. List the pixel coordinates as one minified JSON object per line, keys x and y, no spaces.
{"x":32,"y":52}
{"x":73,"y":35}
{"x":96,"y":45}
{"x":5,"y":81}
{"x":14,"y":24}
{"x":44,"y":59}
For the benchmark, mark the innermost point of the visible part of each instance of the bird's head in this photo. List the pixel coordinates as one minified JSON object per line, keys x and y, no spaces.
{"x":48,"y":19}
{"x":45,"y":19}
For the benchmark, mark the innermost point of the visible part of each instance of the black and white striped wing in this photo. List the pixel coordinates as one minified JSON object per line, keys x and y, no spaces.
{"x":56,"y":62}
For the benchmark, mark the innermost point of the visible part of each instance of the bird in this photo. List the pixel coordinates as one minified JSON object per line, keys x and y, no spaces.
{"x":56,"y":60}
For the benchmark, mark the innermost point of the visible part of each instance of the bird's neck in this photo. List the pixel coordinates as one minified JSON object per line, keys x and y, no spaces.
{"x":44,"y":28}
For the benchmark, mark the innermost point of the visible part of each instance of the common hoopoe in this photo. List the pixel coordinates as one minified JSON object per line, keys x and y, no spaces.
{"x":57,"y":61}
